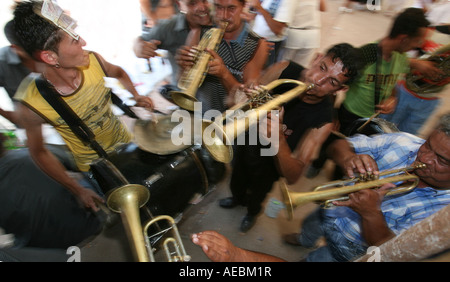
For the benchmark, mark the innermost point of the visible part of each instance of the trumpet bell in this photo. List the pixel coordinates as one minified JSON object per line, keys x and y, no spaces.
{"x":287,"y":200}
{"x":216,"y":141}
{"x":184,"y":100}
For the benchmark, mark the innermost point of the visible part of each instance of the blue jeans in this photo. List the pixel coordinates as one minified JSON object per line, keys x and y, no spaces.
{"x":338,"y":248}
{"x":411,"y":112}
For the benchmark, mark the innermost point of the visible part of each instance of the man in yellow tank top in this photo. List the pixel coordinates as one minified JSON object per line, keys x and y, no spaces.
{"x":77,"y":75}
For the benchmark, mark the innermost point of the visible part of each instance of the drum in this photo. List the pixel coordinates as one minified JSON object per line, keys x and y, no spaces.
{"x":173,"y":179}
{"x":375,"y":126}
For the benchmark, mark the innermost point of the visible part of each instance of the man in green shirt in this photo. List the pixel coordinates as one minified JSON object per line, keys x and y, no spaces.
{"x":386,"y":63}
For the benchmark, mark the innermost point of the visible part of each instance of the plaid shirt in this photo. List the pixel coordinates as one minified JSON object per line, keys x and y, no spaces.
{"x":391,"y":151}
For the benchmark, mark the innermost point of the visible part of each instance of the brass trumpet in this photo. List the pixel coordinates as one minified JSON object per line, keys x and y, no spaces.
{"x":126,"y":200}
{"x":219,"y":137}
{"x":192,"y":78}
{"x":338,"y":190}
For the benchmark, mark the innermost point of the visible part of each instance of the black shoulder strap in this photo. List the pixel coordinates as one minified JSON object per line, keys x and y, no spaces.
{"x":80,"y":129}
{"x":377,"y":78}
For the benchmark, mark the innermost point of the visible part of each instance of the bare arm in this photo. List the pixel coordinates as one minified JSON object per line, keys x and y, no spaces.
{"x":367,"y":203}
{"x":146,"y":8}
{"x":219,"y":249}
{"x":120,"y":74}
{"x":275,"y":26}
{"x":293,"y":164}
{"x":48,"y":163}
{"x":145,"y":49}
{"x":342,"y":153}
{"x":9,"y":115}
{"x":255,"y":66}
{"x":427,"y":68}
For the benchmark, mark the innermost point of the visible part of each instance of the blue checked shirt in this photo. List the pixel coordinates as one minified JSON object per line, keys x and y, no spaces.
{"x":391,"y":151}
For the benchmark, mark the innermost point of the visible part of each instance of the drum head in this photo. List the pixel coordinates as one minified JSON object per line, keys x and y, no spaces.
{"x":156,"y":137}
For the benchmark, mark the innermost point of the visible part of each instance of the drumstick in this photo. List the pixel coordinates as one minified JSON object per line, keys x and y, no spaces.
{"x":372,"y":117}
{"x":367,"y":122}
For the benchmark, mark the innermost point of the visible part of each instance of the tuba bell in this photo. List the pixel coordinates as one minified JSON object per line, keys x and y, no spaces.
{"x":127,"y":199}
{"x":192,"y":78}
{"x":217,"y":137}
{"x":338,"y":190}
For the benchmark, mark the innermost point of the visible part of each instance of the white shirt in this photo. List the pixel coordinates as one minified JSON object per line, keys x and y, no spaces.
{"x":304,"y":30}
{"x":283,"y":14}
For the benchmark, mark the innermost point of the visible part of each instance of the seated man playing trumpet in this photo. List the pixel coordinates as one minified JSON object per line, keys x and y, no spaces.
{"x":367,"y":218}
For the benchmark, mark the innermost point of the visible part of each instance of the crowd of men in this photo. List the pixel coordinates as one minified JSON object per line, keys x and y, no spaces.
{"x":52,"y":70}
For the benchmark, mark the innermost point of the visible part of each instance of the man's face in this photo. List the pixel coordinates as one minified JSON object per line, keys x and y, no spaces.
{"x":71,"y":53}
{"x":327,"y":76}
{"x":197,"y":12}
{"x":435,"y":154}
{"x":409,"y":43}
{"x":228,"y":11}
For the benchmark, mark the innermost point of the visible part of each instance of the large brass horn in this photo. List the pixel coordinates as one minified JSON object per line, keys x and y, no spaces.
{"x":127,"y":199}
{"x":192,"y":78}
{"x":217,"y":137}
{"x":339,"y":190}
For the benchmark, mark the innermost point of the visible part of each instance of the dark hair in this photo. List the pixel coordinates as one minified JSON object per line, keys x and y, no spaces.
{"x":409,"y":22}
{"x":33,"y":31}
{"x":10,"y":33}
{"x":350,"y":57}
{"x":444,"y":124}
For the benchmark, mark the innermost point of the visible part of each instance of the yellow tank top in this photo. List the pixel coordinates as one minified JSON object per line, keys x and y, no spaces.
{"x":92,"y":103}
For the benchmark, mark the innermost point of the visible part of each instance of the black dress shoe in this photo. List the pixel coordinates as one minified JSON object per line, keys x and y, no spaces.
{"x":228,"y":203}
{"x":247,"y":222}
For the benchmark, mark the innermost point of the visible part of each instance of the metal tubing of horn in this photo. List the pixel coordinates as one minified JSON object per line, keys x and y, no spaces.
{"x":219,"y":143}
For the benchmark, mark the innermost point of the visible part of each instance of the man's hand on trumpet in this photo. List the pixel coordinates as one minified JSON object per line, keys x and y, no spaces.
{"x":366,"y":202}
{"x":186,"y":56}
{"x":362,"y":164}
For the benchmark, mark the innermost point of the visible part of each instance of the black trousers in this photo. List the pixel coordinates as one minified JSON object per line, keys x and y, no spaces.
{"x":252,"y":177}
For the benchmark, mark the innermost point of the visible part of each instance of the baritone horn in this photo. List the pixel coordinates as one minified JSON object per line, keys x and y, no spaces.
{"x":338,"y":190}
{"x":192,"y":78}
{"x":217,"y":137}
{"x":127,"y":199}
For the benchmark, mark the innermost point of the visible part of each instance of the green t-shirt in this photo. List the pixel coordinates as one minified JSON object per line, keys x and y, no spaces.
{"x":360,"y":96}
